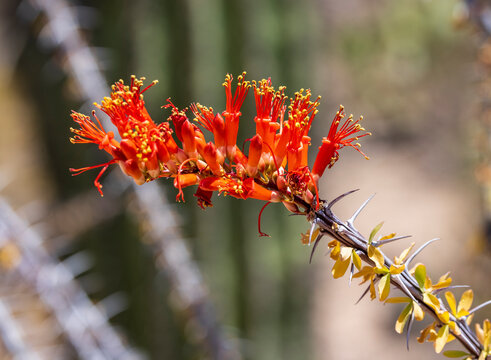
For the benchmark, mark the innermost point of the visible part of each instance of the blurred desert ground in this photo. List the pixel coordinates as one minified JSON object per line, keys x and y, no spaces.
{"x":401,"y":64}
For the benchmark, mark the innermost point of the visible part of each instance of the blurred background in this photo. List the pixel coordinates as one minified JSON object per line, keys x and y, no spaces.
{"x":135,"y":275}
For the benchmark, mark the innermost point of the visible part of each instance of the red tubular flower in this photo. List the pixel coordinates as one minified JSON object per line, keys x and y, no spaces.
{"x":239,"y":189}
{"x":212,"y":158}
{"x":301,"y":113}
{"x":232,"y":110}
{"x":188,"y":139}
{"x":204,"y":198}
{"x":337,"y":139}
{"x":255,"y":151}
{"x":269,"y":107}
{"x":274,"y":170}
{"x":89,"y":132}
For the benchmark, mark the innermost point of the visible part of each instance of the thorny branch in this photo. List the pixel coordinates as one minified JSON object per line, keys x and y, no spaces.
{"x":347,"y":235}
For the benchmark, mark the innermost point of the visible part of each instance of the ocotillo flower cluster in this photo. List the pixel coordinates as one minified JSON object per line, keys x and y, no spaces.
{"x":275,"y":169}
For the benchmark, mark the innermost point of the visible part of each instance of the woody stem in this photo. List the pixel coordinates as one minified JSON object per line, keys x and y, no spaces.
{"x":347,"y":235}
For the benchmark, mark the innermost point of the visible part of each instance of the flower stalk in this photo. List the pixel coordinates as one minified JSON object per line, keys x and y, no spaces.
{"x":276,"y":169}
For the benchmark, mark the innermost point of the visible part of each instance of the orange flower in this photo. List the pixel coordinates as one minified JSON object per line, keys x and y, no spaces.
{"x":337,"y":139}
{"x":274,"y":170}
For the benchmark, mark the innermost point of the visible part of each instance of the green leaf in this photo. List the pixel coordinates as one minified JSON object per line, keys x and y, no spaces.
{"x":420,"y":275}
{"x":455,"y":353}
{"x":374,"y":232}
{"x":403,"y":318}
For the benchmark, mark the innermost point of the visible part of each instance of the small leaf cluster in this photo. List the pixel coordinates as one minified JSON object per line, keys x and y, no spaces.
{"x":422,"y":296}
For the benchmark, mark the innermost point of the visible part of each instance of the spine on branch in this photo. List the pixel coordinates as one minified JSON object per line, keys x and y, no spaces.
{"x":365,"y":259}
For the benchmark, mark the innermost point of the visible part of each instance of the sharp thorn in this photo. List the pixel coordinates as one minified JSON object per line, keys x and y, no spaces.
{"x":479,"y":307}
{"x":340,"y":197}
{"x":450,"y":287}
{"x":312,"y":228}
{"x":319,"y":237}
{"x":328,"y":252}
{"x":352,"y":219}
{"x":411,"y":258}
{"x":366,"y":291}
{"x":380,"y":243}
{"x":408,"y":331}
{"x":404,"y":287}
{"x":352,"y":270}
{"x":363,"y":295}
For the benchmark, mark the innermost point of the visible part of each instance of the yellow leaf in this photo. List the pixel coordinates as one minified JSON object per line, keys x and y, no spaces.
{"x":485,"y":334}
{"x":400,"y":259}
{"x":366,"y":272}
{"x":443,"y":282}
{"x":480,"y":333}
{"x":345,"y":252}
{"x":402,"y":319}
{"x":340,"y":267}
{"x":384,"y":287}
{"x":444,"y":316}
{"x":381,"y":271}
{"x":425,"y":333}
{"x":428,"y":284}
{"x":306,"y":238}
{"x":398,"y":300}
{"x":465,"y":303}
{"x":373,"y":295}
{"x":387,"y":237}
{"x":419,"y":314}
{"x":441,"y":338}
{"x":451,"y":302}
{"x":336,"y":248}
{"x":432,"y":301}
{"x":376,"y":256}
{"x":432,"y":336}
{"x":394,"y":270}
{"x":356,"y":260}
